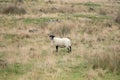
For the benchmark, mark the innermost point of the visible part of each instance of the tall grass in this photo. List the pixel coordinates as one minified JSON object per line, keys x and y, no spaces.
{"x":26,"y":53}
{"x":14,"y":7}
{"x":62,"y":30}
{"x":107,"y":58}
{"x":118,"y":17}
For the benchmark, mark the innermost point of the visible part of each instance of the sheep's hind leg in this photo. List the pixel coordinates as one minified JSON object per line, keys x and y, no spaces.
{"x":70,"y":48}
{"x":56,"y":48}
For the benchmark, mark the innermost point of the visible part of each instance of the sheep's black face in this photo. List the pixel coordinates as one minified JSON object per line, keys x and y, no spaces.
{"x":51,"y":36}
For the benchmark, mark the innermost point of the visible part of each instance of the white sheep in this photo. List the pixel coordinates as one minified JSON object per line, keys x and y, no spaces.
{"x":61,"y":42}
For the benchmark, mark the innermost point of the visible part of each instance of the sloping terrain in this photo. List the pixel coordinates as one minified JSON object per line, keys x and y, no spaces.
{"x":25,"y":48}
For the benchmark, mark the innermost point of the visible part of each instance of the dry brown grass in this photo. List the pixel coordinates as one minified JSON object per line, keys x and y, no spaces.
{"x":13,"y":7}
{"x":118,"y":17}
{"x":24,"y":41}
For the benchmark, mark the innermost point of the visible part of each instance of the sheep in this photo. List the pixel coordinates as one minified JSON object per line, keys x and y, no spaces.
{"x":61,"y":42}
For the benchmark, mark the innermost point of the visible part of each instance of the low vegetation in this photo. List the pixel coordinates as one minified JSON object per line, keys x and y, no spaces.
{"x":118,"y":18}
{"x":93,"y":28}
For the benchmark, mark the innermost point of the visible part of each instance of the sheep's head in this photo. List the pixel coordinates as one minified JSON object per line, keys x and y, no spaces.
{"x":51,"y":36}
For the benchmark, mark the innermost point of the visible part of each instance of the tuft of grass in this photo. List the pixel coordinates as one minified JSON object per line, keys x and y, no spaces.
{"x":62,"y":30}
{"x":13,"y":10}
{"x":103,"y":11}
{"x":106,"y":61}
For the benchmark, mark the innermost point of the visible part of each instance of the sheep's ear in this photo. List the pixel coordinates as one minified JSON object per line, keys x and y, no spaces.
{"x":53,"y":36}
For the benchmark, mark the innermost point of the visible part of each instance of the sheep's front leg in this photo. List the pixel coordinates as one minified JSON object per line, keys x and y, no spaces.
{"x":56,"y":48}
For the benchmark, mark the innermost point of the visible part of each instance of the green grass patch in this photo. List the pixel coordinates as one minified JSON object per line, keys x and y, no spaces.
{"x":91,"y":4}
{"x":42,"y":20}
{"x":13,"y":39}
{"x":77,"y":72}
{"x":36,"y":20}
{"x":10,"y":36}
{"x":16,"y":68}
{"x":71,"y":71}
{"x":111,"y":76}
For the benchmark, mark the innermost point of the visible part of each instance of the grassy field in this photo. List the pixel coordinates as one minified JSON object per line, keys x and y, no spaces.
{"x":25,"y":48}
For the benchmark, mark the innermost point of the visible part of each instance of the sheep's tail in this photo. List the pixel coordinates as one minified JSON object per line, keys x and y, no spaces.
{"x":69,"y":43}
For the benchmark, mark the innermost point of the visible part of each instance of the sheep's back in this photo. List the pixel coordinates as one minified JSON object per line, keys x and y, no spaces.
{"x":67,"y":42}
{"x":62,"y":42}
{"x":58,"y":41}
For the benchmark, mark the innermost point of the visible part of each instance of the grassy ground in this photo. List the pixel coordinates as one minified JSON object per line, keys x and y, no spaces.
{"x":26,"y":52}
